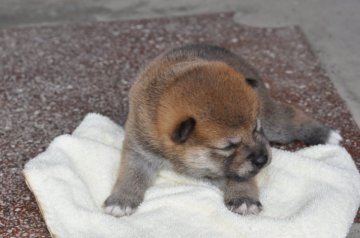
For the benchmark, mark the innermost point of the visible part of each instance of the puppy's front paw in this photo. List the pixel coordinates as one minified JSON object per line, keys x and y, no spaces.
{"x":118,"y":211}
{"x":334,"y":138}
{"x":117,"y":206}
{"x":244,"y":206}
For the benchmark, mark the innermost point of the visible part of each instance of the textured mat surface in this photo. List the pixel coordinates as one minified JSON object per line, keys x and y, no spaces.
{"x":52,"y":76}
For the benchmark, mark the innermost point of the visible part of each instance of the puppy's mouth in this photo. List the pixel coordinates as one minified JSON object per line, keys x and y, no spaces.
{"x":246,"y":171}
{"x":240,"y":178}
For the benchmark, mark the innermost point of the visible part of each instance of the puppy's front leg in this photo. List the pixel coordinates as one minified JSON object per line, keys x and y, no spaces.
{"x":242,"y":197}
{"x":135,"y":176}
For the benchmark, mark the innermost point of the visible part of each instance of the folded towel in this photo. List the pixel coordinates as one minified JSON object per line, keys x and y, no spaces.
{"x":313,"y":192}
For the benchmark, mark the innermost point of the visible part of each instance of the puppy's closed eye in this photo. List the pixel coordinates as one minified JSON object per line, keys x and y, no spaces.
{"x":226,"y":147}
{"x":223,"y":153}
{"x":230,"y":146}
{"x":226,"y":150}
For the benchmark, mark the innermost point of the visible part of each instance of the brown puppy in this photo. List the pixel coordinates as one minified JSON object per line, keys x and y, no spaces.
{"x":202,"y":111}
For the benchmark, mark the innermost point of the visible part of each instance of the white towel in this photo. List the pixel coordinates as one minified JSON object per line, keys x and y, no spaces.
{"x":313,"y":192}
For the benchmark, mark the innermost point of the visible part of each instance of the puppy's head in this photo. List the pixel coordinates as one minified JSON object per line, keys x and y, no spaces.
{"x":209,"y":126}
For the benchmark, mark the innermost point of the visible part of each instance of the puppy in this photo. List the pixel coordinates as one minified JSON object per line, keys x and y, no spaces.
{"x":202,"y":111}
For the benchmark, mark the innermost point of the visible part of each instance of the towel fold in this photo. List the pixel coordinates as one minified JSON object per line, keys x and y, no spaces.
{"x":314,"y":192}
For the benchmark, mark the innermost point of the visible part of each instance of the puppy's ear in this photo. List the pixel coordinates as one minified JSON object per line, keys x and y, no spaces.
{"x":252,"y":82}
{"x":183,"y":130}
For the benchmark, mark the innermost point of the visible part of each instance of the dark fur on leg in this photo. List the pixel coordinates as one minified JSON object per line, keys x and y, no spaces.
{"x":136,"y":175}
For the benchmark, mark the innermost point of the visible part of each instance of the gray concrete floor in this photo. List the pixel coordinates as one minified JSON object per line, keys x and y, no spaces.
{"x":332,"y":26}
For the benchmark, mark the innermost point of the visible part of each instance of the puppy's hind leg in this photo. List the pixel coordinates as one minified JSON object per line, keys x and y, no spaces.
{"x":283,"y":123}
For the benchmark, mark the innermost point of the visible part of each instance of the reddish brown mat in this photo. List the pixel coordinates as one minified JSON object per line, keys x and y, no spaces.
{"x":51,"y":77}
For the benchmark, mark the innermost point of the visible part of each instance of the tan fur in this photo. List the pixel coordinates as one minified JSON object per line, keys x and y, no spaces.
{"x":210,"y":91}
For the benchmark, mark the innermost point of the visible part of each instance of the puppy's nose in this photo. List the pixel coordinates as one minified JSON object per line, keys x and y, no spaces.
{"x":258,"y":160}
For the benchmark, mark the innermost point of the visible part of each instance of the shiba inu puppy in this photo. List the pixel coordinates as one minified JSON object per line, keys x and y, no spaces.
{"x":202,"y":111}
